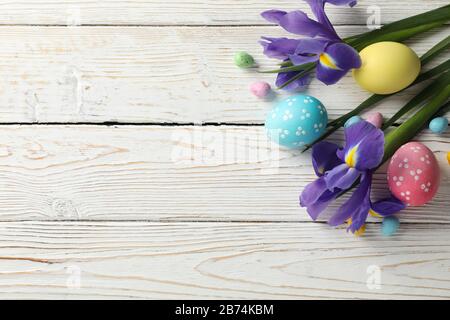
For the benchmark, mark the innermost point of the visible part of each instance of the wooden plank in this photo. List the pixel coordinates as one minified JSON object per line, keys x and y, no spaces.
{"x":136,"y":260}
{"x":149,"y":74}
{"x":166,"y":174}
{"x":193,"y":12}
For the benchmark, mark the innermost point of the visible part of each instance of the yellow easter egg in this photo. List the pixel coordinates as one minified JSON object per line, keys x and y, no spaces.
{"x":387,"y":67}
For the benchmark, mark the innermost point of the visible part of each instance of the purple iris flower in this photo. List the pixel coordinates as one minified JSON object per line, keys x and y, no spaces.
{"x":339,"y":168}
{"x":316,"y":197}
{"x":333,"y":57}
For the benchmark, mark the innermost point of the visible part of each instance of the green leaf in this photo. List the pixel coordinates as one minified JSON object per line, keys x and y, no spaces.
{"x":286,"y":64}
{"x":433,"y":89}
{"x":443,"y":67}
{"x":436,"y":50}
{"x":296,"y":77}
{"x":322,"y":137}
{"x":405,"y":28}
{"x":292,"y":68}
{"x":443,"y":110}
{"x":372,"y":100}
{"x":397,"y":36}
{"x":408,"y":129}
{"x":363,"y":106}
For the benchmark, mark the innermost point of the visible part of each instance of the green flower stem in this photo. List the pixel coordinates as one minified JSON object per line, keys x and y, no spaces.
{"x":443,"y":110}
{"x":336,"y":124}
{"x":408,"y":129}
{"x":436,"y":50}
{"x":372,"y":100}
{"x":405,"y":28}
{"x":397,"y":36}
{"x":404,"y":133}
{"x":298,"y":76}
{"x":434,"y":88}
{"x":310,"y":66}
{"x":425,"y":59}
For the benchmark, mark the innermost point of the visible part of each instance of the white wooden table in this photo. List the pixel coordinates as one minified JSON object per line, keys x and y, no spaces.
{"x":133,"y":163}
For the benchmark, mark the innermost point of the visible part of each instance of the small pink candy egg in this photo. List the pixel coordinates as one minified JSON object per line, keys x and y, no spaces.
{"x":375,"y":118}
{"x":260,"y":89}
{"x":413,"y":174}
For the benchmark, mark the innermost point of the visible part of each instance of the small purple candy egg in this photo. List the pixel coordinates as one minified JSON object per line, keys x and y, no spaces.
{"x":260,"y":89}
{"x":375,"y":118}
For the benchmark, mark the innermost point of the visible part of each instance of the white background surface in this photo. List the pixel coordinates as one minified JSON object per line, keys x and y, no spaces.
{"x":133,"y":163}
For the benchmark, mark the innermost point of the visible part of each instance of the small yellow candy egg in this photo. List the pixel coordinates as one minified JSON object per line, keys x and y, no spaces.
{"x":387,"y":67}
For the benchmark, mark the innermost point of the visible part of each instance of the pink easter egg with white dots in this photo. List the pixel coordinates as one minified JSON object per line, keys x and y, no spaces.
{"x":260,"y":89}
{"x":375,"y":118}
{"x":413,"y":174}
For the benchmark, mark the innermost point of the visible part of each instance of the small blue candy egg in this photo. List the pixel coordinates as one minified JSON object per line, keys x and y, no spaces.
{"x":297,"y":121}
{"x":390,"y":226}
{"x":439,"y":125}
{"x":352,"y":121}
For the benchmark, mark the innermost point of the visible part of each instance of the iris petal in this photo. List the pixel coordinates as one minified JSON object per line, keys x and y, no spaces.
{"x":318,"y":9}
{"x":329,"y":76}
{"x":279,"y":48}
{"x":316,"y":197}
{"x":297,"y":85}
{"x":341,"y":177}
{"x":313,"y":191}
{"x":350,"y":3}
{"x":301,"y":59}
{"x":308,"y":50}
{"x":387,"y":207}
{"x":343,"y":56}
{"x":311,"y":46}
{"x":356,"y":207}
{"x":327,"y":61}
{"x":361,"y":212}
{"x":273,"y":16}
{"x":336,"y":61}
{"x":324,"y":157}
{"x":370,"y":142}
{"x":298,"y":22}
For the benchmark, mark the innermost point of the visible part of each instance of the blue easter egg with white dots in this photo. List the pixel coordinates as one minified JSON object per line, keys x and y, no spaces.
{"x":439,"y":125}
{"x":351,"y":121}
{"x":390,"y":226}
{"x":297,"y":121}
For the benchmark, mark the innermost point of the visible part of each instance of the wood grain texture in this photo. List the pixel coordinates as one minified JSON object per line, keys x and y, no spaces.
{"x":150,"y":74}
{"x":206,"y":212}
{"x":136,"y":260}
{"x":191,"y":12}
{"x":166,"y":173}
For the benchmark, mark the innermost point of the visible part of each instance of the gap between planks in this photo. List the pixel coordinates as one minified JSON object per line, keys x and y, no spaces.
{"x":98,"y":75}
{"x":141,"y":124}
{"x":158,"y":221}
{"x":203,"y":173}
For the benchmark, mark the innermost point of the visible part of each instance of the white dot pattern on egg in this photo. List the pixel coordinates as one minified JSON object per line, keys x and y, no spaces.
{"x":413,"y":174}
{"x":297,"y":121}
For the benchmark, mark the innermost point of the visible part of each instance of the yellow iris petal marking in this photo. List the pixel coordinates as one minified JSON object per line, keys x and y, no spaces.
{"x":374,"y":214}
{"x":328,"y":61}
{"x":359,"y":232}
{"x":350,"y":158}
